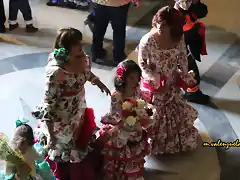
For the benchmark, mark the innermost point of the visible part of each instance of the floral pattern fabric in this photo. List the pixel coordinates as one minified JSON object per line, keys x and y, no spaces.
{"x":174,"y":130}
{"x":64,"y":105}
{"x":124,"y":152}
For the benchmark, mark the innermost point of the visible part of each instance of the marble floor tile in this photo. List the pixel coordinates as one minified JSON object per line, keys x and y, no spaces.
{"x":228,"y":100}
{"x":232,"y":55}
{"x":27,"y":84}
{"x":218,"y":41}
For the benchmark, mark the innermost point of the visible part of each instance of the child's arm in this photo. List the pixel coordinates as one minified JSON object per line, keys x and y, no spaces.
{"x":185,"y":78}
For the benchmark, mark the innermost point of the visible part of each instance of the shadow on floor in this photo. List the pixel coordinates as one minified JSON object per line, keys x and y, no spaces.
{"x":229,"y":105}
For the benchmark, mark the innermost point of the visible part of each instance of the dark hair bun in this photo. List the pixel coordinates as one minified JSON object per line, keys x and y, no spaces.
{"x":127,"y":67}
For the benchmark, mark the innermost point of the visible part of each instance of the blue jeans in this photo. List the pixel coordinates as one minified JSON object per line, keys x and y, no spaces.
{"x":117,"y":16}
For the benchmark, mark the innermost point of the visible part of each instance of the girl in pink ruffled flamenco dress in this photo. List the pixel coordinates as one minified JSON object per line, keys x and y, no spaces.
{"x":126,"y":126}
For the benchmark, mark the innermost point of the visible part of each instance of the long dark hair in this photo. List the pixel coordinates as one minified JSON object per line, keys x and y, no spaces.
{"x":173,"y":19}
{"x":123,"y":70}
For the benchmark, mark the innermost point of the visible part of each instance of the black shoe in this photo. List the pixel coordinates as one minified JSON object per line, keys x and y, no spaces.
{"x":2,"y":29}
{"x":123,"y":57}
{"x":102,"y":55}
{"x":13,"y":26}
{"x":197,"y":97}
{"x":82,"y":8}
{"x":31,"y":29}
{"x":50,"y":3}
{"x":105,"y":62}
{"x":71,"y":5}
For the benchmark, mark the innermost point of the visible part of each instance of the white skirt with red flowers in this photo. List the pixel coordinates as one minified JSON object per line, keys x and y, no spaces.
{"x":125,"y":161}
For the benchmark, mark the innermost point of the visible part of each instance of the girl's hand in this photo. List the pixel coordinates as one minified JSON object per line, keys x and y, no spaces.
{"x":23,"y":171}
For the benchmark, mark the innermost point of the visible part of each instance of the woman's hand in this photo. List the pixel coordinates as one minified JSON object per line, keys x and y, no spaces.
{"x":102,"y":87}
{"x":96,"y":81}
{"x":51,"y":142}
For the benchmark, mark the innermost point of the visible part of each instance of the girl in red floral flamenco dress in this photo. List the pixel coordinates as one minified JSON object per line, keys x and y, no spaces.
{"x":126,"y":127}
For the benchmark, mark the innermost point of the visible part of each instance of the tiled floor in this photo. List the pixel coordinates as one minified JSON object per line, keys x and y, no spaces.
{"x":21,"y":77}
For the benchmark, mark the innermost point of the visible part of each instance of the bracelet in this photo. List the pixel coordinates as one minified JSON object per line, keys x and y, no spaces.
{"x":94,"y":79}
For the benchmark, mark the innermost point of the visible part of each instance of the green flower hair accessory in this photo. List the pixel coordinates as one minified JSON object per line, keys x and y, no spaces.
{"x":61,"y":55}
{"x":21,"y":121}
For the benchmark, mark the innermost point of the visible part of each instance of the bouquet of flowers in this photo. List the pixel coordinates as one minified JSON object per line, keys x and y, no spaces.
{"x":8,"y":154}
{"x":136,"y":112}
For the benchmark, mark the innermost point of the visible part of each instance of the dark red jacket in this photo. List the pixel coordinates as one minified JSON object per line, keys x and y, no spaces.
{"x":193,"y":39}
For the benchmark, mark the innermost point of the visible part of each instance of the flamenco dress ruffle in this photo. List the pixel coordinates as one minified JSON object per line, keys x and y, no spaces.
{"x":124,"y":161}
{"x":88,"y":168}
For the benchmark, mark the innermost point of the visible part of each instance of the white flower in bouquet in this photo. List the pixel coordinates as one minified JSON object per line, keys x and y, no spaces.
{"x":141,"y":112}
{"x":131,"y":121}
{"x":141,"y":104}
{"x":127,"y":105}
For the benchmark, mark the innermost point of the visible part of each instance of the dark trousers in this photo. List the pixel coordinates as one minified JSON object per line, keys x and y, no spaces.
{"x":192,"y":65}
{"x":2,"y":16}
{"x":117,"y":16}
{"x":24,"y":7}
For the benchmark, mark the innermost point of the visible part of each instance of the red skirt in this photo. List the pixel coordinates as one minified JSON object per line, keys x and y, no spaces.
{"x":85,"y":134}
{"x":88,"y":169}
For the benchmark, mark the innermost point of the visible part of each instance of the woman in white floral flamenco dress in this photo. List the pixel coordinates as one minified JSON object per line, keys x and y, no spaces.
{"x":126,"y":126}
{"x":67,"y":123}
{"x":163,"y":60}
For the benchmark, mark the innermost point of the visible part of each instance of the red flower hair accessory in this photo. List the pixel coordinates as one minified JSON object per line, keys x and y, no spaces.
{"x":120,"y":71}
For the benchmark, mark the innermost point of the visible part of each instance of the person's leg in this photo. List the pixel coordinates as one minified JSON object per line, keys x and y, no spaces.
{"x":99,"y":30}
{"x":194,"y":94}
{"x":119,"y":22}
{"x":27,"y":16}
{"x":62,"y":171}
{"x":2,"y":17}
{"x":13,"y":12}
{"x":91,"y":18}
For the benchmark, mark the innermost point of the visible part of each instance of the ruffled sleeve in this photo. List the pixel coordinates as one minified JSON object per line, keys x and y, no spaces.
{"x":114,"y":116}
{"x":144,"y":57}
{"x":53,"y":80}
{"x":88,"y":67}
{"x":152,"y":70}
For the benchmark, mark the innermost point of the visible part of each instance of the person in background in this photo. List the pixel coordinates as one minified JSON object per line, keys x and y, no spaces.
{"x":115,"y":12}
{"x":90,"y":18}
{"x":72,"y":4}
{"x":194,"y":33}
{"x":24,"y":7}
{"x":2,"y":17}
